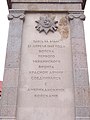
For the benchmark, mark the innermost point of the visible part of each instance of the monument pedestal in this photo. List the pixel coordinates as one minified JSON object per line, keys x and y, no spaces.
{"x":46,"y":74}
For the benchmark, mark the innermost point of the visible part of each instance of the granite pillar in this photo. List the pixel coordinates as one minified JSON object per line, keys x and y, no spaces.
{"x":80,"y":70}
{"x":12,"y":66}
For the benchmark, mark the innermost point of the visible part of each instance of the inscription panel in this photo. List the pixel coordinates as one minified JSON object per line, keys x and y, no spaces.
{"x":46,"y":82}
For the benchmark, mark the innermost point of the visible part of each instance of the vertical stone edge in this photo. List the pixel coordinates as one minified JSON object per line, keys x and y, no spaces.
{"x":80,"y":69}
{"x":12,"y":66}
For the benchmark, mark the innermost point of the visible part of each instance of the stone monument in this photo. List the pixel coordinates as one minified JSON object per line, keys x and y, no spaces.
{"x":46,"y":73}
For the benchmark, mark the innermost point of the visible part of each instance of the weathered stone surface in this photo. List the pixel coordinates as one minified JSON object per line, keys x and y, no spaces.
{"x":79,"y":60}
{"x":78,"y":45}
{"x":11,"y":77}
{"x":9,"y":96}
{"x":81,"y":96}
{"x":81,"y":2}
{"x":77,"y":31}
{"x":81,"y":77}
{"x":14,"y":44}
{"x":12,"y":60}
{"x":80,"y":72}
{"x":12,"y":67}
{"x":82,"y":112}
{"x":46,"y":7}
{"x":8,"y":111}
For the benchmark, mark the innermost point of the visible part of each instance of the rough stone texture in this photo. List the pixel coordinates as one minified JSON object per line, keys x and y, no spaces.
{"x":8,"y":111}
{"x":81,"y":96}
{"x":78,"y":45}
{"x":9,"y":96}
{"x":81,"y":77}
{"x":83,"y":112}
{"x":79,"y":60}
{"x":14,"y":44}
{"x":12,"y":67}
{"x":77,"y":31}
{"x":80,"y":72}
{"x":11,"y":77}
{"x":47,"y":7}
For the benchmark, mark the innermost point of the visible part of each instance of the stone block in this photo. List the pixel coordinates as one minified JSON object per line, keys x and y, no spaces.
{"x":12,"y":96}
{"x":11,"y":77}
{"x":16,"y":25}
{"x":81,"y":77}
{"x":81,"y":96}
{"x":14,"y":44}
{"x":78,"y":46}
{"x":46,"y":7}
{"x":77,"y":30}
{"x":8,"y":111}
{"x":12,"y":60}
{"x":82,"y":112}
{"x":4,"y":97}
{"x":9,"y":96}
{"x":79,"y":60}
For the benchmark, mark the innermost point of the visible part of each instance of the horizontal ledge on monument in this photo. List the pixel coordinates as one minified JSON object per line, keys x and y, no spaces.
{"x":46,"y":7}
{"x":14,"y":11}
{"x":11,"y":68}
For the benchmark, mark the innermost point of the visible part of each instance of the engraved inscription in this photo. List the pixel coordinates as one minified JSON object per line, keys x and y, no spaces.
{"x":49,"y":67}
{"x":46,"y":70}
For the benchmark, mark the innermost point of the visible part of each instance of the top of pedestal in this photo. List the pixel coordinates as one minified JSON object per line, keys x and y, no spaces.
{"x":10,"y":2}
